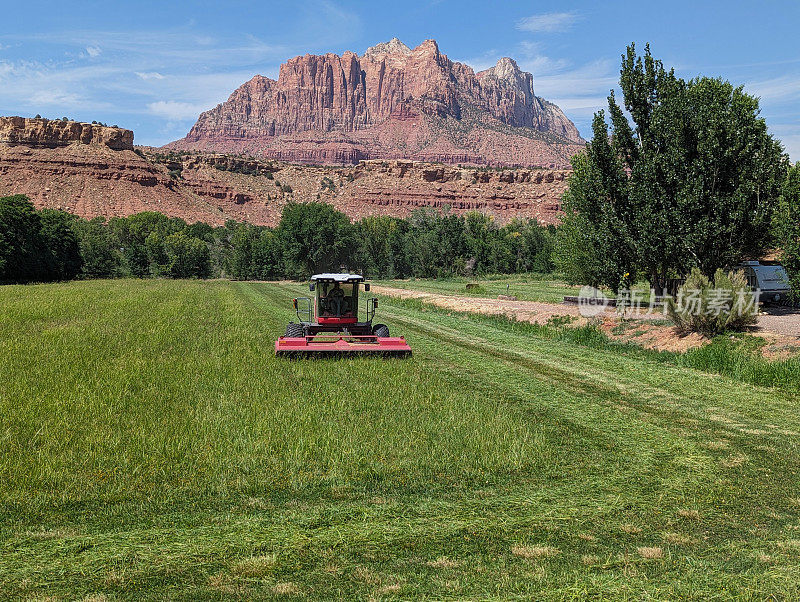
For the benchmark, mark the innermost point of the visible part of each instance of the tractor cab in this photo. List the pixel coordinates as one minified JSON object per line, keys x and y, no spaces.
{"x":336,"y":299}
{"x":330,"y":321}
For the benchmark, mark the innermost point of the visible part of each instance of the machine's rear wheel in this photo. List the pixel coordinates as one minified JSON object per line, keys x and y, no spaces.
{"x":294,"y":330}
{"x":380,"y":330}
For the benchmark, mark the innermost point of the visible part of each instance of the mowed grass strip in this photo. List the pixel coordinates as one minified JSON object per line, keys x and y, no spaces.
{"x":152,"y":446}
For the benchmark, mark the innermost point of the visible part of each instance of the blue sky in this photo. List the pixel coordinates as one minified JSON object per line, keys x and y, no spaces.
{"x":153,"y":66}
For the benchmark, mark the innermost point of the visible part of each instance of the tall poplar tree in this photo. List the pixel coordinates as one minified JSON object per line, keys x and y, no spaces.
{"x":690,"y":179}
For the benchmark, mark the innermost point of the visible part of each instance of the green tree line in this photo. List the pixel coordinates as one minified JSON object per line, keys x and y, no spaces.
{"x":48,"y":245}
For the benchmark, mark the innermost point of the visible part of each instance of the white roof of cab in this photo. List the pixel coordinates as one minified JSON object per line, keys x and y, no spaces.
{"x":338,"y":277}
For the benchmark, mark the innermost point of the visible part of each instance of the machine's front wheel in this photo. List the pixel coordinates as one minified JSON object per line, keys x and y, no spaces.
{"x":294,"y":330}
{"x":380,"y":330}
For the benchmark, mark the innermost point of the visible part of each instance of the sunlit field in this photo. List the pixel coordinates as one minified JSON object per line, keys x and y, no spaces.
{"x":151,"y":446}
{"x":547,"y":288}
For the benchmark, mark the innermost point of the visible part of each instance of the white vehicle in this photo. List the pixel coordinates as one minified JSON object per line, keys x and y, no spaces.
{"x":771,"y":279}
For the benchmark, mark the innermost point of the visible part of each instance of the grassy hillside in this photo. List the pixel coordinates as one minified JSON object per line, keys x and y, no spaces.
{"x":151,"y":446}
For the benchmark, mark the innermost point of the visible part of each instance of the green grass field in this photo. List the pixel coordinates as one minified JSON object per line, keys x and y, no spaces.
{"x":545,"y":288}
{"x":151,"y":446}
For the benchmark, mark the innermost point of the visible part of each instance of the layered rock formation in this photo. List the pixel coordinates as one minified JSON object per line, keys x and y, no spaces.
{"x":92,"y":171}
{"x":47,"y":133}
{"x":399,"y":187}
{"x":392,"y":102}
{"x":376,"y":187}
{"x":65,"y":165}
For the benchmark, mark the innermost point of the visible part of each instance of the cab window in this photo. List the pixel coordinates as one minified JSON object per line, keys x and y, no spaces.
{"x":336,"y":299}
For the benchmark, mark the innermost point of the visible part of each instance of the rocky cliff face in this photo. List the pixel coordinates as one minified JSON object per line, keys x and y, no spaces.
{"x":92,"y":171}
{"x":92,"y":180}
{"x":392,"y":102}
{"x":374,"y":187}
{"x":396,"y":188}
{"x":46,"y":133}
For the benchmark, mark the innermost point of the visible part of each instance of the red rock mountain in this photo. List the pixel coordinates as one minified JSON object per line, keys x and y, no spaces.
{"x":391,"y":103}
{"x":93,"y":170}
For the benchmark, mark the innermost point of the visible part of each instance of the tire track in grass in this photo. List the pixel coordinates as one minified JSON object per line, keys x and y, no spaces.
{"x":668,"y":441}
{"x":507,"y":391}
{"x":264,"y":296}
{"x":674,"y":423}
{"x":684,"y":414}
{"x":544,"y":370}
{"x":642,"y":443}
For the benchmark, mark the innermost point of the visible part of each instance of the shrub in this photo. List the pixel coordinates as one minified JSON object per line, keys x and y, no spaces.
{"x":475,"y":289}
{"x":712,"y":308}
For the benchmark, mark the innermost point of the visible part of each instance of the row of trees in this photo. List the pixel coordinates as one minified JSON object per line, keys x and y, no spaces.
{"x":46,"y":245}
{"x":692,"y":179}
{"x":315,"y":237}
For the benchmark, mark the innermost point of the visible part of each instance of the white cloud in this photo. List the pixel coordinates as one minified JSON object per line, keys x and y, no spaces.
{"x":205,"y":40}
{"x":789,"y":134}
{"x":581,"y":91}
{"x":592,"y":79}
{"x":542,"y":66}
{"x":145,"y":75}
{"x":482,"y":61}
{"x":528,"y":56}
{"x":161,"y":49}
{"x":55,"y":98}
{"x":583,"y":105}
{"x":779,"y":88}
{"x":31,"y":85}
{"x":155,"y":80}
{"x":171,"y":76}
{"x":176,"y":111}
{"x":548,"y":22}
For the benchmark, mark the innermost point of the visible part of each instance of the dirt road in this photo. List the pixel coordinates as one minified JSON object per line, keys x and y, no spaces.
{"x":781,"y":320}
{"x":525,"y":311}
